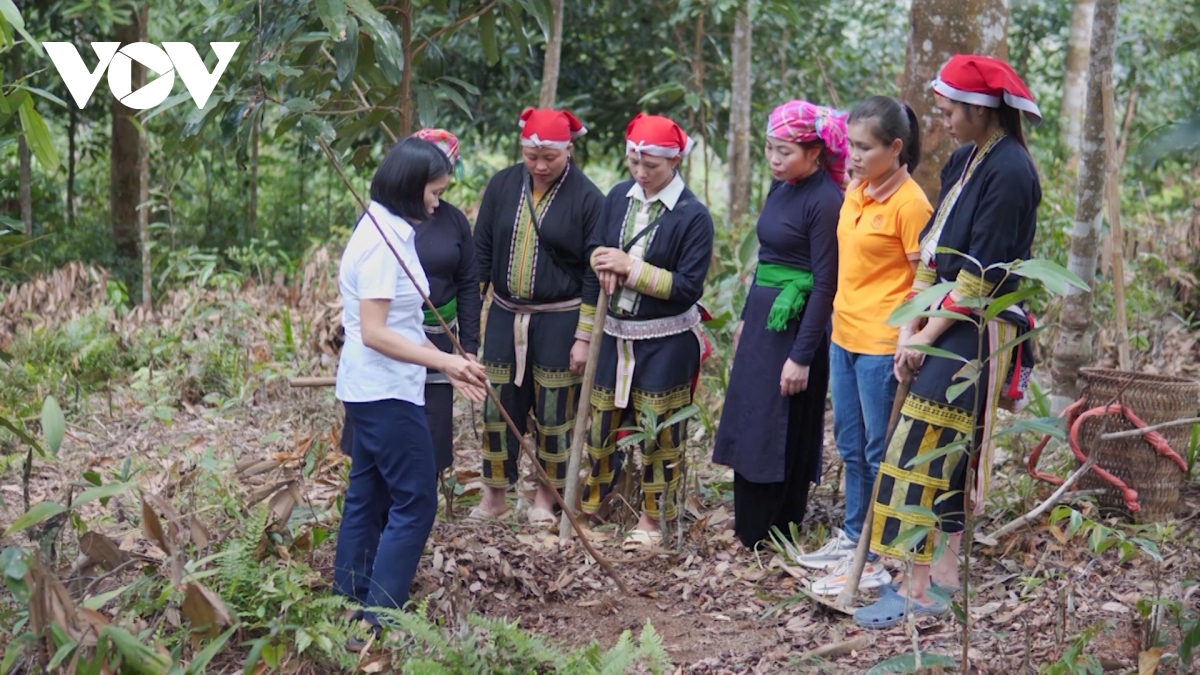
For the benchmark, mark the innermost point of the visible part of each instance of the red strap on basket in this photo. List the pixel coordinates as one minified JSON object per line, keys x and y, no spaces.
{"x":1075,"y":419}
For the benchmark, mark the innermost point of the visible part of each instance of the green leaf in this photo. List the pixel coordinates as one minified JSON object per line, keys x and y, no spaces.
{"x":53,"y":424}
{"x":930,"y":350}
{"x":959,"y":388}
{"x":17,"y":647}
{"x":930,"y":455}
{"x":916,"y":511}
{"x":14,"y":562}
{"x":748,"y":250}
{"x":487,"y":35}
{"x":960,"y":254}
{"x":333,"y":15}
{"x":1008,"y":300}
{"x":254,"y":656}
{"x":40,"y":513}
{"x":1008,"y":346}
{"x":1189,"y":644}
{"x":45,"y":94}
{"x":61,"y":655}
{"x":1055,"y":427}
{"x":13,"y":15}
{"x":201,"y":660}
{"x":427,"y":107}
{"x":907,"y":663}
{"x":920,"y":303}
{"x":906,"y":540}
{"x":22,"y":434}
{"x":387,"y":43}
{"x":37,"y":134}
{"x":137,"y":656}
{"x":97,"y":601}
{"x":345,"y":53}
{"x":685,"y":413}
{"x":101,"y":492}
{"x":300,"y":105}
{"x":1053,"y":276}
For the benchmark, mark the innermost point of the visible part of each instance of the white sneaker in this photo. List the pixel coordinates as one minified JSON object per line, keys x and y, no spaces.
{"x":874,"y":575}
{"x":828,"y":556}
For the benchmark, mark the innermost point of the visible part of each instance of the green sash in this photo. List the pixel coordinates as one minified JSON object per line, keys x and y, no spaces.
{"x":795,"y":286}
{"x":448,"y":312}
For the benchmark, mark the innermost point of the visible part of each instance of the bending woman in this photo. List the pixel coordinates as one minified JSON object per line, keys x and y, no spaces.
{"x":878,"y":246}
{"x":773,"y":426}
{"x":392,"y":497}
{"x":987,"y":209}
{"x":651,"y":253}
{"x":447,"y":254}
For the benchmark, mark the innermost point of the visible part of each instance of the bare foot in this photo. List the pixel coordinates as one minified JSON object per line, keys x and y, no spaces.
{"x":493,"y":501}
{"x":647,"y":523}
{"x":544,"y":499}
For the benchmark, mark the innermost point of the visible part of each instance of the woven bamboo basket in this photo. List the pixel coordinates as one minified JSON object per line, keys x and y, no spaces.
{"x":1155,"y":399}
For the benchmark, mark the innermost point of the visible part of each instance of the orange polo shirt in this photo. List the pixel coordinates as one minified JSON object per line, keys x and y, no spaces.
{"x":879,"y":233}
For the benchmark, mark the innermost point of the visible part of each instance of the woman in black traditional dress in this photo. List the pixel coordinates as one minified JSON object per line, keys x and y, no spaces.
{"x":533,"y":226}
{"x":987,"y":210}
{"x":651,"y":252}
{"x":447,"y":254}
{"x":772,"y":429}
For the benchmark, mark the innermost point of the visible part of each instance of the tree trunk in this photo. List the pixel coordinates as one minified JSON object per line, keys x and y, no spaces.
{"x":125,"y":163}
{"x":143,"y":175}
{"x":937,"y":30}
{"x":550,"y":66}
{"x":26,"y":172}
{"x":1075,"y":78}
{"x":739,"y":117}
{"x":72,"y":130}
{"x":252,"y":217}
{"x":1073,"y":348}
{"x":406,"y":102}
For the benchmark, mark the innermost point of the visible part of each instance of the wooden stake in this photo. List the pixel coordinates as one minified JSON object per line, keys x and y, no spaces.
{"x":526,"y":444}
{"x":850,"y":590}
{"x":583,"y":413}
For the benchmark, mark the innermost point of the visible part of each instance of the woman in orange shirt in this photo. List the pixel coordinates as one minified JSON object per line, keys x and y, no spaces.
{"x":878,"y":245}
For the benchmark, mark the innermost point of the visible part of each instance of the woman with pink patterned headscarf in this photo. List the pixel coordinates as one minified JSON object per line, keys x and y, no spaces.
{"x":772,"y":430}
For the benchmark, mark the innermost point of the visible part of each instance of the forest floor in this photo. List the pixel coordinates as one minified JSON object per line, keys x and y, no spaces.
{"x":1080,"y":592}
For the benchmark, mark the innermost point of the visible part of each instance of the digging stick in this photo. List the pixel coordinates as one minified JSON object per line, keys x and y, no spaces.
{"x":526,"y":444}
{"x":312,"y":381}
{"x":850,"y":590}
{"x":582,"y":414}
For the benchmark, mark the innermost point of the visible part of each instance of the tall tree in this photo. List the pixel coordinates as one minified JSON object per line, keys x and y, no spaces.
{"x":127,"y":151}
{"x":739,"y":115}
{"x":1075,"y":77}
{"x":25,"y":169}
{"x":1073,"y":348}
{"x":550,"y":66}
{"x":937,"y":30}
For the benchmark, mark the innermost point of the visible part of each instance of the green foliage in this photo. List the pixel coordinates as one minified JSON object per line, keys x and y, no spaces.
{"x":912,"y":663}
{"x":1075,"y":660}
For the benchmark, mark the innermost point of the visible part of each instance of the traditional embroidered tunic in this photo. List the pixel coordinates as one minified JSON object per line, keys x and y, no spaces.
{"x":650,"y":355}
{"x":774,"y":443}
{"x":536,"y":274}
{"x":987,"y":209}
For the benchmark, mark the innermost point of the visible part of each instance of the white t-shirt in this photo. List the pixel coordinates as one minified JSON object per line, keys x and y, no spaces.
{"x":369,"y":271}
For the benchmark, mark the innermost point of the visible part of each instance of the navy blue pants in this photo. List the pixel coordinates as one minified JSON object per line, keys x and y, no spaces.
{"x":390,"y":505}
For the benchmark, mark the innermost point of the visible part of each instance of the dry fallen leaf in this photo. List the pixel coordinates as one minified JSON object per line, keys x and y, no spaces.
{"x":1148,"y":661}
{"x":204,"y":610}
{"x":152,"y":526}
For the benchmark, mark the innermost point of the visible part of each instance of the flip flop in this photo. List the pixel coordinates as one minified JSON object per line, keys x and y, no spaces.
{"x":539,"y":517}
{"x":482,"y":514}
{"x":889,"y":610}
{"x":639,"y":539}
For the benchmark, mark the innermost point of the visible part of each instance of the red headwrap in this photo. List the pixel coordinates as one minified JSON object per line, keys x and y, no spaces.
{"x":658,"y":136}
{"x":546,"y":128}
{"x":985,"y":81}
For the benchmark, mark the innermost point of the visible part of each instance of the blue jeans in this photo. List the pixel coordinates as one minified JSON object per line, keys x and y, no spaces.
{"x":863,"y":388}
{"x":390,"y":504}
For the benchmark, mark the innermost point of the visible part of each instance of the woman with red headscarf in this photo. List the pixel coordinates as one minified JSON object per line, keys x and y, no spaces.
{"x":651,"y":252}
{"x":772,"y":429}
{"x":987,"y":210}
{"x":530,"y":237}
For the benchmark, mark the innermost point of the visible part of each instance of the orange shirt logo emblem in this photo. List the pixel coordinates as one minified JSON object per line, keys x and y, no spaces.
{"x":877,"y":221}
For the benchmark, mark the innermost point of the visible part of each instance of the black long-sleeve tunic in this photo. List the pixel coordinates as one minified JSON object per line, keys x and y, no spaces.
{"x":447,"y":253}
{"x":558,"y":259}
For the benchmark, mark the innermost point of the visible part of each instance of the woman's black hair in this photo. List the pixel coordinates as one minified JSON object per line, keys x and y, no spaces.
{"x":1010,"y":121}
{"x":399,"y":182}
{"x":892,"y":120}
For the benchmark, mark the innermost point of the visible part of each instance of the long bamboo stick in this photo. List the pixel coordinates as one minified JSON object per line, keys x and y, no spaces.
{"x":526,"y":444}
{"x":583,"y":413}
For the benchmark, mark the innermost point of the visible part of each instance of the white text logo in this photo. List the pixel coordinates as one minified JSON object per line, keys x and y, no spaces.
{"x":179,"y":57}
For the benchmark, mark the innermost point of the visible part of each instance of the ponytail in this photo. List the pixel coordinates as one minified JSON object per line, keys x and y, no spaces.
{"x":892,"y":119}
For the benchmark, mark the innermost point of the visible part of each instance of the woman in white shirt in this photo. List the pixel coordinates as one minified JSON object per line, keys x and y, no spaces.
{"x":391,"y":501}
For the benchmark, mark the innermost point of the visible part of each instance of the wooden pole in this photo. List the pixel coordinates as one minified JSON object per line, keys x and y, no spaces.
{"x":526,"y":444}
{"x":850,"y":590}
{"x":583,"y":413}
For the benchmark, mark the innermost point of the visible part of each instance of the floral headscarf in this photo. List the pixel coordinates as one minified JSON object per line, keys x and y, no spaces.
{"x":804,"y":122}
{"x":447,"y":143}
